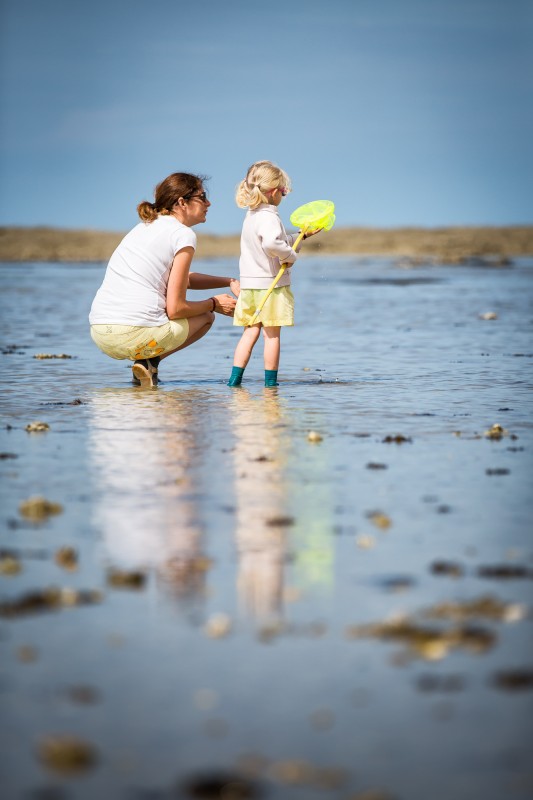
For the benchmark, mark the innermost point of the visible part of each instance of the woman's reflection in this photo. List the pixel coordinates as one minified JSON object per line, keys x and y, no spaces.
{"x":146,"y":450}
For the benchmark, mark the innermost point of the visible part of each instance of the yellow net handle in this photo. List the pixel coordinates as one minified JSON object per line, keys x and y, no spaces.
{"x":274,"y":282}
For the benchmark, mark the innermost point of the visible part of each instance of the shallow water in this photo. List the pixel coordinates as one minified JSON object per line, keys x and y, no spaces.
{"x":218,"y":496}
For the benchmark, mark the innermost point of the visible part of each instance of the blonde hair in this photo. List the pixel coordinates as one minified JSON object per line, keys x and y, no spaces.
{"x":168,"y":192}
{"x":262,"y":177}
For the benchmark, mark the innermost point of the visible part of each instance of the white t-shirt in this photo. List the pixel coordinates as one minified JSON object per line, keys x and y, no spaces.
{"x":134,"y":288}
{"x":265,"y":245}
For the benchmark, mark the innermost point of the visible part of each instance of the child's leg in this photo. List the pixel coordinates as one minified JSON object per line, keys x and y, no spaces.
{"x":272,"y":351}
{"x":243,"y":351}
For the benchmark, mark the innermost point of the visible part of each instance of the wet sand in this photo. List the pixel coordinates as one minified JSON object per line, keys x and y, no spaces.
{"x":322,"y":590}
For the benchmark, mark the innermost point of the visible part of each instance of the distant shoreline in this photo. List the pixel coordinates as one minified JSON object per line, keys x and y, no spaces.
{"x":454,"y":245}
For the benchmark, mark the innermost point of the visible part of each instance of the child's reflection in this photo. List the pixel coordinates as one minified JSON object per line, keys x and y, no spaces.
{"x":260,"y":453}
{"x":146,"y":451}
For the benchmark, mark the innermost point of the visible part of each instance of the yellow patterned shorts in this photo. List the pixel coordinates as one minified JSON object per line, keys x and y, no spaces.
{"x":133,"y":341}
{"x":278,"y":309}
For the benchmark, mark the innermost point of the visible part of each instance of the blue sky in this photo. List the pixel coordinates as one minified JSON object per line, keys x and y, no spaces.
{"x":403,"y":112}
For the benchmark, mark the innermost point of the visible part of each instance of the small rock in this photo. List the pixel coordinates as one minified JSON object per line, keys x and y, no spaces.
{"x":280,"y":522}
{"x":379,"y":519}
{"x":488,"y":315}
{"x":486,"y":607}
{"x":450,"y":568}
{"x":10,"y":565}
{"x":66,"y":754}
{"x":122,"y":579}
{"x":504,"y":571}
{"x":496,"y":432}
{"x":314,"y":436}
{"x":51,"y":355}
{"x":67,"y":558}
{"x":220,"y":785}
{"x":397,"y":439}
{"x":39,"y":508}
{"x":218,"y":626}
{"x":37,"y":427}
{"x":365,"y":541}
{"x":514,"y":679}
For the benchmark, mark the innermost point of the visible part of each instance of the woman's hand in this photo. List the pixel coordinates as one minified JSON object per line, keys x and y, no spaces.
{"x":235,"y":286}
{"x":225,"y":304}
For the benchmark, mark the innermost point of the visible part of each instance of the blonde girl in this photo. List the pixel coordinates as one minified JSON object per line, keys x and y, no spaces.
{"x":265,"y":245}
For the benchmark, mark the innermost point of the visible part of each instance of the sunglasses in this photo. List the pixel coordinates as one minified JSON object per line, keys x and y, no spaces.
{"x":202,"y":196}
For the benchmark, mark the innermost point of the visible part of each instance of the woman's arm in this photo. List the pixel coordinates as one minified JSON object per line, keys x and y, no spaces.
{"x":177,"y":306}
{"x":198,"y":280}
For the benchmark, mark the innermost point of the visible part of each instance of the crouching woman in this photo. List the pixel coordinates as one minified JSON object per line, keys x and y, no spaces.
{"x":141,"y":311}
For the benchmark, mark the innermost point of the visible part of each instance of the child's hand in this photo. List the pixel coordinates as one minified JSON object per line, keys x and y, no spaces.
{"x":235,"y":286}
{"x":307,"y":234}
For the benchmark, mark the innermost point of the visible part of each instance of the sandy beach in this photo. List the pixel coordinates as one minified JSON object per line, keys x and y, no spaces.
{"x":322,"y":590}
{"x":446,"y":245}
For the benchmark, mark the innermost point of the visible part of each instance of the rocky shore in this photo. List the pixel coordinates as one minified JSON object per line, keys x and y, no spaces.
{"x":497,"y":245}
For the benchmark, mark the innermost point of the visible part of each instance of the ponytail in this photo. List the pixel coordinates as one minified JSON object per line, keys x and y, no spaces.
{"x":147,"y":211}
{"x":262,"y":177}
{"x":168,"y":192}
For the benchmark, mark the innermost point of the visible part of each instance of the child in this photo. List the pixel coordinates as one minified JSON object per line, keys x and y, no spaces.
{"x":265,"y":245}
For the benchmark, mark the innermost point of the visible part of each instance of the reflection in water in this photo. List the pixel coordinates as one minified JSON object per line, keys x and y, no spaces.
{"x":146,"y":452}
{"x":261,"y":444}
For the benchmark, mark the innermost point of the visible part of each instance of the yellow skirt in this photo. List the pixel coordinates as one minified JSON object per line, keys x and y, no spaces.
{"x":277,"y":311}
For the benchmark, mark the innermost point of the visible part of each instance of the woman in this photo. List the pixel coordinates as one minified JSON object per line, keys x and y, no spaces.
{"x":141,"y":311}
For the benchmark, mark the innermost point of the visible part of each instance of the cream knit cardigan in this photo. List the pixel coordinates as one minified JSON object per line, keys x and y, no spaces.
{"x":265,"y":245}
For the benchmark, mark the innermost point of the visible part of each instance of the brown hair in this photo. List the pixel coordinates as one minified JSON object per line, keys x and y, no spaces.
{"x":168,"y":192}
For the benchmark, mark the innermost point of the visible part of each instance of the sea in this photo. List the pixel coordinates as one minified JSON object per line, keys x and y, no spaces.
{"x":318,"y":590}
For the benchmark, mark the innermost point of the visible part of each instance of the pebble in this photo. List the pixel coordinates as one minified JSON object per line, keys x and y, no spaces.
{"x":220,"y":785}
{"x":314,"y":436}
{"x":365,"y":541}
{"x":37,"y":427}
{"x":487,"y":607}
{"x":496,"y":431}
{"x":10,"y":565}
{"x":379,"y":519}
{"x":450,"y":568}
{"x":66,"y":753}
{"x":218,"y":626}
{"x":51,"y":355}
{"x":514,"y":679}
{"x":49,"y":599}
{"x":67,"y":558}
{"x":123,"y":579}
{"x":39,"y":508}
{"x":397,"y":439}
